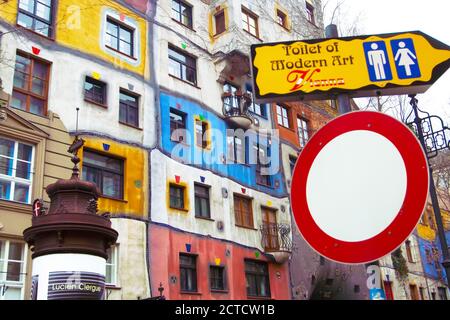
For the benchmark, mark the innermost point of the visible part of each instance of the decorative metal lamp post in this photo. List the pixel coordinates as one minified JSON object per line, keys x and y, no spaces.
{"x":434,"y":136}
{"x":70,"y":241}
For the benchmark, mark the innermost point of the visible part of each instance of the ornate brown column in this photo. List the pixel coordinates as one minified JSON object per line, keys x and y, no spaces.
{"x":70,"y":241}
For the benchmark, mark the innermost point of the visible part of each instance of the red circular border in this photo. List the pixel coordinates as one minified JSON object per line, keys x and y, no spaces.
{"x":408,"y":216}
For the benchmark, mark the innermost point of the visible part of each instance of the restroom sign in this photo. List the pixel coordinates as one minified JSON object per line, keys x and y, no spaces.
{"x":386,"y":64}
{"x":359,"y":187}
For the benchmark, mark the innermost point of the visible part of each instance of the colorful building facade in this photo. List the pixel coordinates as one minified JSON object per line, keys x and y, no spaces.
{"x":58,"y":56}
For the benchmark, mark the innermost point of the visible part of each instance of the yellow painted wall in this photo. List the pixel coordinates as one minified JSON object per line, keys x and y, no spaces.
{"x":427,"y":232}
{"x":135,"y":177}
{"x":78,"y":26}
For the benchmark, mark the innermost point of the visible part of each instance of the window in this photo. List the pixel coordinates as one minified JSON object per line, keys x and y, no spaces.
{"x":270,"y":230}
{"x":422,"y":293}
{"x":30,"y":89}
{"x":119,"y":37}
{"x":176,"y":196}
{"x":230,"y":100}
{"x":413,"y":292}
{"x":177,"y":126}
{"x":129,"y":109}
{"x":236,"y":149}
{"x":257,"y":278}
{"x":12,"y":269}
{"x":310,"y":13}
{"x":182,"y":12}
{"x":201,"y":127}
{"x":182,"y":66}
{"x":243,"y":212}
{"x":409,"y":251}
{"x":16,"y":173}
{"x":282,"y":19}
{"x":36,"y":15}
{"x":217,"y":278}
{"x":292,"y":161}
{"x":302,"y":127}
{"x":322,"y":261}
{"x":219,"y":20}
{"x":258,"y":109}
{"x":250,"y":21}
{"x":442,"y":291}
{"x":105,"y":172}
{"x":111,"y":266}
{"x":202,"y":206}
{"x":188,"y":273}
{"x":283,"y":116}
{"x":262,"y":153}
{"x":95,"y":91}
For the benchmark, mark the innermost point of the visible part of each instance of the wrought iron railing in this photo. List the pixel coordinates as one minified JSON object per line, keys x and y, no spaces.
{"x":275,"y":237}
{"x":236,"y":104}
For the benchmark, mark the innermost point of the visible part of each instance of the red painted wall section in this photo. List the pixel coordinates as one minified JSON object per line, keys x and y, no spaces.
{"x":165,"y":246}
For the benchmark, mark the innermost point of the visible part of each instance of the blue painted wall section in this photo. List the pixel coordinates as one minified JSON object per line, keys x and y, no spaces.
{"x":198,"y":157}
{"x":432,"y":262}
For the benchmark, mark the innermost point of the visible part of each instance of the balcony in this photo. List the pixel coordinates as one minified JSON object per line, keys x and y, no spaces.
{"x":276,"y":240}
{"x":235,"y":108}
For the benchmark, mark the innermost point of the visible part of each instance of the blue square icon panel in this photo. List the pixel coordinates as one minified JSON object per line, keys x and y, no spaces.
{"x":405,"y":58}
{"x":377,"y":61}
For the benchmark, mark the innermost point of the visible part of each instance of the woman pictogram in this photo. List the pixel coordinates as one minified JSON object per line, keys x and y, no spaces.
{"x":405,"y":58}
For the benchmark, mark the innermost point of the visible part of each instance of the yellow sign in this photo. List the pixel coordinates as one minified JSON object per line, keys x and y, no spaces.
{"x":401,"y":63}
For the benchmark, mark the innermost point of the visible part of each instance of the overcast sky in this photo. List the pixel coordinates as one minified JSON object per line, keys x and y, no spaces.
{"x":385,"y":16}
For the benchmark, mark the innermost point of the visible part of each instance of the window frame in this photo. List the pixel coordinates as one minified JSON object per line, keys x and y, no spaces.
{"x":191,"y":11}
{"x":28,"y":93}
{"x":224,"y":279}
{"x":239,"y":219}
{"x":283,"y":118}
{"x":252,"y":107}
{"x":120,"y":25}
{"x":302,"y":131}
{"x":232,"y":154}
{"x":263,"y":180}
{"x":187,"y":56}
{"x":202,"y":197}
{"x":189,"y":267}
{"x":292,"y":167}
{"x":409,"y":253}
{"x":246,"y":23}
{"x":13,"y":180}
{"x":34,"y":17}
{"x":4,"y":262}
{"x":204,"y":143}
{"x":183,"y":196}
{"x":104,"y":94}
{"x":283,"y":18}
{"x":310,"y":13}
{"x":257,"y":275}
{"x":100,"y":170}
{"x":114,"y":264}
{"x":216,"y":15}
{"x":128,"y":106}
{"x":183,"y":115}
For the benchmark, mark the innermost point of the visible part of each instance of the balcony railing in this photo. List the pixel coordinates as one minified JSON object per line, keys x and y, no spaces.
{"x":235,"y":108}
{"x":276,"y":238}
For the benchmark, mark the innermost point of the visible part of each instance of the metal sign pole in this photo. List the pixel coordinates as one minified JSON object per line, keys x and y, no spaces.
{"x":343,"y":100}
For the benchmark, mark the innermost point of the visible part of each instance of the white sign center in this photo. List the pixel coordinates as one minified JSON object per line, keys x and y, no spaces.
{"x":356,"y":186}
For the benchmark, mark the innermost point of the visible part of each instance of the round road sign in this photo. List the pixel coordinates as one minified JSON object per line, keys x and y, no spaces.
{"x":359,"y":187}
